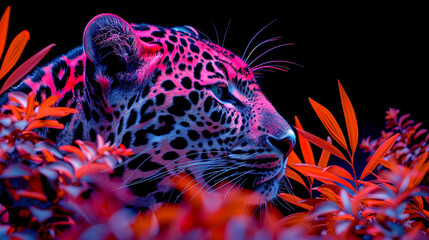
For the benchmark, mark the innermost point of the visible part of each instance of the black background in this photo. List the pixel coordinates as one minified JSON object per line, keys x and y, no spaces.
{"x":378,"y":52}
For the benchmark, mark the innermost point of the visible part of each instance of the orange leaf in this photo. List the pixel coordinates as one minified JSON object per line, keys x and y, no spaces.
{"x":75,"y":150}
{"x":295,"y":219}
{"x":48,"y":156}
{"x":380,"y":153}
{"x":339,"y":171}
{"x":54,"y":112}
{"x":325,"y":177}
{"x":321,"y":143}
{"x":24,"y":68}
{"x":14,"y":52}
{"x":19,"y":98}
{"x":350,"y":117}
{"x":34,"y":195}
{"x":422,"y":166}
{"x":307,"y":153}
{"x":324,"y":157}
{"x":329,"y":191}
{"x":329,"y":122}
{"x":44,"y":123}
{"x":30,"y":106}
{"x":92,"y":168}
{"x":4,"y":24}
{"x":49,"y":101}
{"x":292,"y":159}
{"x":294,"y":176}
{"x":294,"y":200}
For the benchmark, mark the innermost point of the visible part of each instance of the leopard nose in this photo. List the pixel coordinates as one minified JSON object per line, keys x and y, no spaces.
{"x":284,"y":144}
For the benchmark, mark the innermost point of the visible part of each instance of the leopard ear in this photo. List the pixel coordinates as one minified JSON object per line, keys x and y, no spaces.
{"x":108,"y":38}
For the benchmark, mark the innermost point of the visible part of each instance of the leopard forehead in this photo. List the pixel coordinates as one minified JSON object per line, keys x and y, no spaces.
{"x":184,"y":52}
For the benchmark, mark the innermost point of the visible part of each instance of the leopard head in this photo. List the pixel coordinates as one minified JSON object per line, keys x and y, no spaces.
{"x":184,"y":105}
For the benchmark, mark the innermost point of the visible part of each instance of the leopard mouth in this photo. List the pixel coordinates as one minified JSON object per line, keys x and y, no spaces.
{"x":254,"y":181}
{"x":258,"y":172}
{"x":260,"y":175}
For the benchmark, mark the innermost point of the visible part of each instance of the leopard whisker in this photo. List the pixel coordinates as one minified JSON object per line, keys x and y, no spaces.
{"x":224,"y":197}
{"x":217,"y":35}
{"x":269,"y":50}
{"x":286,"y":183}
{"x":157,"y":174}
{"x":220,"y":181}
{"x":126,"y":180}
{"x":279,"y":201}
{"x":251,"y":40}
{"x":209,"y":174}
{"x":226,"y":31}
{"x":276,"y":61}
{"x":260,"y":44}
{"x":195,"y":179}
{"x":205,"y":35}
{"x":268,"y":67}
{"x":134,"y":157}
{"x":174,"y":162}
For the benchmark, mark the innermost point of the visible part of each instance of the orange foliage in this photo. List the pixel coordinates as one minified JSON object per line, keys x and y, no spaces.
{"x":349,"y":207}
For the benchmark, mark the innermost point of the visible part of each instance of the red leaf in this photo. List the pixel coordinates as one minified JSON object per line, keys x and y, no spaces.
{"x":14,"y":52}
{"x":54,"y":112}
{"x":330,"y":191}
{"x":324,"y":157}
{"x":34,"y":195}
{"x":73,"y":149}
{"x":323,"y":176}
{"x":30,"y":106}
{"x":15,"y":171}
{"x":350,"y":117}
{"x":294,"y":176}
{"x":380,"y":153}
{"x":24,"y":68}
{"x":294,"y":219}
{"x":48,"y":156}
{"x":347,"y":203}
{"x":321,"y":143}
{"x":44,"y":123}
{"x":92,"y":168}
{"x":329,"y":122}
{"x":339,"y":171}
{"x":422,"y":167}
{"x":292,"y":159}
{"x":324,"y":208}
{"x":49,"y":101}
{"x":294,"y":200}
{"x":307,"y":153}
{"x":402,"y":119}
{"x":4,"y":24}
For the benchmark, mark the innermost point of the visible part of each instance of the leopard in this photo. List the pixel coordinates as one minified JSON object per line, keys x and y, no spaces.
{"x":182,"y":103}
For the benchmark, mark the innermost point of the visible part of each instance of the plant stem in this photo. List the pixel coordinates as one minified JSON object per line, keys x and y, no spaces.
{"x":352,"y":157}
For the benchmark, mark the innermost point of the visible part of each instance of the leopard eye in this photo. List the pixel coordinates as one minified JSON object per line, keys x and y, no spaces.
{"x":222,"y":93}
{"x":218,"y":90}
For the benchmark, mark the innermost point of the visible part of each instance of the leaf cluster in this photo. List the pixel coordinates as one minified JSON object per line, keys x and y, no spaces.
{"x":393,"y":204}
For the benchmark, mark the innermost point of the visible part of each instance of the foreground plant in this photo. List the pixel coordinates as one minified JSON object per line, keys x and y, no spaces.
{"x":39,"y":182}
{"x":347,"y":205}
